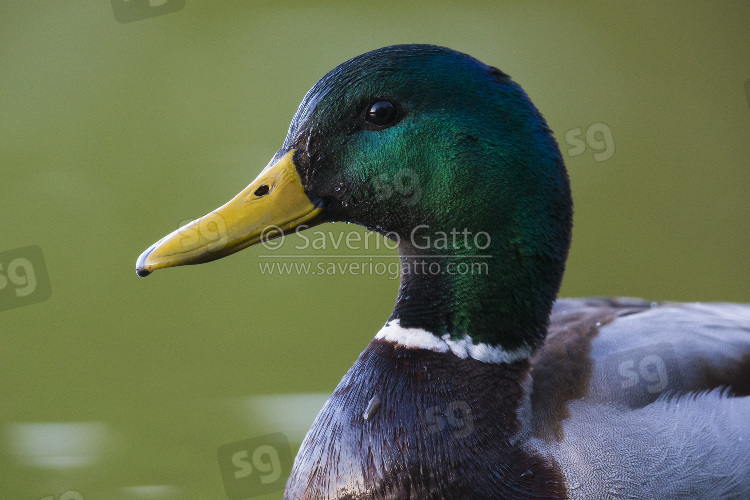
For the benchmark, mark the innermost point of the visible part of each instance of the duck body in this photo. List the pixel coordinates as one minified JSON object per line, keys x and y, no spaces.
{"x":437,"y":435}
{"x":596,"y":413}
{"x":482,"y":384}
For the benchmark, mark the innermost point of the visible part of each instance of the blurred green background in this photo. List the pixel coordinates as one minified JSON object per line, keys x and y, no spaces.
{"x":113,"y":134}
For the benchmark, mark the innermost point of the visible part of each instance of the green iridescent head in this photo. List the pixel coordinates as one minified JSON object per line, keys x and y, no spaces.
{"x":441,"y":152}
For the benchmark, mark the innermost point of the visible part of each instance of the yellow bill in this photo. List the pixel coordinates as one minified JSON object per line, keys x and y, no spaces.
{"x":272,"y":205}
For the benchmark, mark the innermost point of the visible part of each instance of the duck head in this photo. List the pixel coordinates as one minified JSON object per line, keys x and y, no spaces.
{"x":431,"y":148}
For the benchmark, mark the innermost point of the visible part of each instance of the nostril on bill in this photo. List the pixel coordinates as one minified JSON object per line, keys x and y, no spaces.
{"x":262,"y":190}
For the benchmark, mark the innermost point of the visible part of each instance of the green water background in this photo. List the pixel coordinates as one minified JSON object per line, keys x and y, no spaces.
{"x":112,"y":135}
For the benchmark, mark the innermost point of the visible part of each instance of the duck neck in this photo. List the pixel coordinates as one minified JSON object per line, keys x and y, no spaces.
{"x":492,"y":287}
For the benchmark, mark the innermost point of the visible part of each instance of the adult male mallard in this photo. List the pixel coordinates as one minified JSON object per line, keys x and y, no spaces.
{"x":480,"y":385}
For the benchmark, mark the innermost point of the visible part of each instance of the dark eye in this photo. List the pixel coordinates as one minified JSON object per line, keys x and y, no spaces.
{"x":381,"y":113}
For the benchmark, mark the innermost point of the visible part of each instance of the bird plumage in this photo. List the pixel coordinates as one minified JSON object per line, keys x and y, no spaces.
{"x":482,"y":385}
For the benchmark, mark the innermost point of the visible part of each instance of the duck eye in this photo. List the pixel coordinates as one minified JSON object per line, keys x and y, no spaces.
{"x":381,"y":113}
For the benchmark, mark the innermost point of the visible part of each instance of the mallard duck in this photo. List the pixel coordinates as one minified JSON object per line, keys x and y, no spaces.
{"x":481,"y":385}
